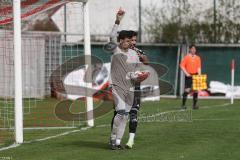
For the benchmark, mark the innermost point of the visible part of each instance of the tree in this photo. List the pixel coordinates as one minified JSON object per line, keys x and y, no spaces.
{"x":177,"y":20}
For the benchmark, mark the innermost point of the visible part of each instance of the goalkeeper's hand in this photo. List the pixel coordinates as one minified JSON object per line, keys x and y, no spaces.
{"x":119,"y":16}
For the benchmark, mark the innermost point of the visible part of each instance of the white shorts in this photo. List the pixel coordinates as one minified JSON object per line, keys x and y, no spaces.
{"x":123,"y":100}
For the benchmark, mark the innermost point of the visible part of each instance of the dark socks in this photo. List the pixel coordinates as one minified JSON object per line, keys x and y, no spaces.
{"x":184,"y":98}
{"x":195,"y":98}
{"x":133,"y":121}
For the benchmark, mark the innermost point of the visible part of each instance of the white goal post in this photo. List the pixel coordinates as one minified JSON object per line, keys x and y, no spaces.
{"x":18,"y":67}
{"x":18,"y":71}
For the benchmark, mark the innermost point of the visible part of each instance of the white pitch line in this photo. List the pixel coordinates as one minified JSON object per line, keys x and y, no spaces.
{"x":214,"y":119}
{"x":182,"y":110}
{"x":52,"y":137}
{"x":58,"y":135}
{"x":48,"y":128}
{"x":220,"y":105}
{"x":9,"y":147}
{"x":103,"y":125}
{"x":46,"y":138}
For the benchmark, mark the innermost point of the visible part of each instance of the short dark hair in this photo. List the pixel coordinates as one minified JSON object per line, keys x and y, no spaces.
{"x":192,"y":45}
{"x":133,"y":33}
{"x":124,"y":34}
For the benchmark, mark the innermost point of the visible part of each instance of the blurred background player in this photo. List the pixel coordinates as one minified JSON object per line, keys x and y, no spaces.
{"x":190,"y":65}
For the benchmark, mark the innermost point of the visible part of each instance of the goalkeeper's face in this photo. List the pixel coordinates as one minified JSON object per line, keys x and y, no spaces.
{"x":125,"y":43}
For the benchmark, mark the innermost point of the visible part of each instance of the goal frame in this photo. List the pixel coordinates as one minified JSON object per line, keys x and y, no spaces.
{"x":18,"y":103}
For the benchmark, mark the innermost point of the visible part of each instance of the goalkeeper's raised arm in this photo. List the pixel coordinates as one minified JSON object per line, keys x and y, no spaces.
{"x":114,"y":33}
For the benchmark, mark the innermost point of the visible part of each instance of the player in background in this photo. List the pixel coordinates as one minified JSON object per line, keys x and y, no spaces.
{"x":190,"y":65}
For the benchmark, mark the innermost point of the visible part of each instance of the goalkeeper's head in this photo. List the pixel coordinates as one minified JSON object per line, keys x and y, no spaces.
{"x":124,"y":39}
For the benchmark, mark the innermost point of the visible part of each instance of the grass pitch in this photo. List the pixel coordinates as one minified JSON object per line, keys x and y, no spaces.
{"x":211,"y":133}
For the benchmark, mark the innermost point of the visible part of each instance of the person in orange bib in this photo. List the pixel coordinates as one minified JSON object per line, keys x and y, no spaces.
{"x":190,"y":65}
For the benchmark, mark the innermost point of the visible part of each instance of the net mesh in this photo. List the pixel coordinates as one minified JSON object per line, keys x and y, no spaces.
{"x":41,"y":55}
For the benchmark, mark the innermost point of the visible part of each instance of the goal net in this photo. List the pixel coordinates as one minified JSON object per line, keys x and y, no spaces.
{"x":47,"y":52}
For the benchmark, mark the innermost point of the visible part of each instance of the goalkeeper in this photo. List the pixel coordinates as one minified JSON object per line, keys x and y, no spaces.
{"x":190,"y":65}
{"x":122,"y":78}
{"x":137,"y":94}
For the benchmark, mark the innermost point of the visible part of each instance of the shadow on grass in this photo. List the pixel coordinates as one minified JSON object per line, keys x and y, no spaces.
{"x":87,"y":144}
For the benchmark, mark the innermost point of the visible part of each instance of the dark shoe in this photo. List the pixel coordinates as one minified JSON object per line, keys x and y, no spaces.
{"x":117,"y":147}
{"x":111,"y":143}
{"x":113,"y":146}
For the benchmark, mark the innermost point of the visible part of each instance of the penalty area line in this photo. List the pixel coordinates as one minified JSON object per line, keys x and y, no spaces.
{"x":44,"y":139}
{"x":58,"y":135}
{"x":9,"y":147}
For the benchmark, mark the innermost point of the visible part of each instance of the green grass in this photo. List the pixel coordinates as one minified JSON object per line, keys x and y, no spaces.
{"x":213,"y":134}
